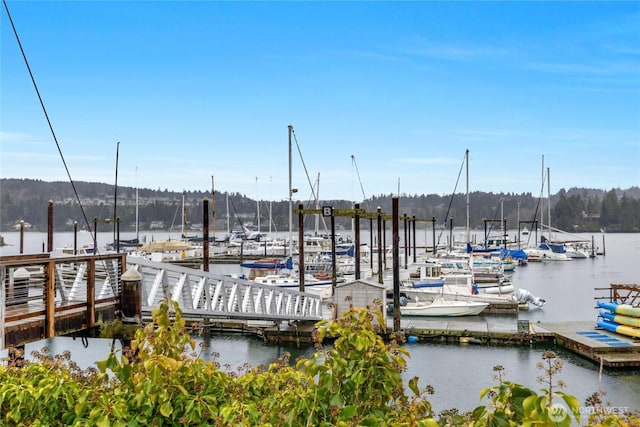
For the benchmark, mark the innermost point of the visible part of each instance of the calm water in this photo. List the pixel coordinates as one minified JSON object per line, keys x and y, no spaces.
{"x":457,"y":373}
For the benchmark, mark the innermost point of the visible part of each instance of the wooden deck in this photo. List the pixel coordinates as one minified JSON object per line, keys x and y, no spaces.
{"x":41,"y":297}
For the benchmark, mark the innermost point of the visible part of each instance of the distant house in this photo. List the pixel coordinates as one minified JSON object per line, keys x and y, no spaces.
{"x":155,"y":225}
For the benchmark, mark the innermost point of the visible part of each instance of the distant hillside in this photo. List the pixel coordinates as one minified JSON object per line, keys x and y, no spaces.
{"x":575,"y":209}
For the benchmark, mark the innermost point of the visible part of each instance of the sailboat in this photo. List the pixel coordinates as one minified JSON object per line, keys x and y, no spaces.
{"x":290,"y":276}
{"x":547,"y":250}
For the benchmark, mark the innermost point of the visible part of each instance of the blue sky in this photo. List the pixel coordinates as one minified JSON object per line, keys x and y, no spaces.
{"x":192,"y":90}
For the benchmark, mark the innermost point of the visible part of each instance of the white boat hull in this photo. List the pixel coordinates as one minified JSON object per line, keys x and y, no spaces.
{"x":443,"y":308}
{"x":497,"y":289}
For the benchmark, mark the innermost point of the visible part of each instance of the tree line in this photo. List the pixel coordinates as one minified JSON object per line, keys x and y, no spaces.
{"x":573,"y":210}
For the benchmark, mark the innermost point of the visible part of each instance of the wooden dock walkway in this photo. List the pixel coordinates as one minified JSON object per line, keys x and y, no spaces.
{"x":583,"y":338}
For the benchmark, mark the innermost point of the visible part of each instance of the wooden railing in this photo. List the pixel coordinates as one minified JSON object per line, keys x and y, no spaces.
{"x":41,"y":297}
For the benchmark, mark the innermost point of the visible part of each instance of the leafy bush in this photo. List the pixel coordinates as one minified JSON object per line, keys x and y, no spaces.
{"x":157,"y":382}
{"x":160,"y":381}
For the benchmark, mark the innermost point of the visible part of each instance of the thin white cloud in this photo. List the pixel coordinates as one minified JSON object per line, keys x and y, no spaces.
{"x":13,"y":136}
{"x":452,"y":51}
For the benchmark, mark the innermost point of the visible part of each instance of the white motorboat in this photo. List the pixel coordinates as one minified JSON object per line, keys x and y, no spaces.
{"x":323,"y":288}
{"x":441,"y":307}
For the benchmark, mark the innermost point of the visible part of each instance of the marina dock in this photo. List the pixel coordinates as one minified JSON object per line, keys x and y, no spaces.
{"x":90,"y":287}
{"x":584,"y":338}
{"x":581,"y":337}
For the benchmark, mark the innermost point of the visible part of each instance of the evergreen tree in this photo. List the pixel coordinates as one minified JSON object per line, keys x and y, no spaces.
{"x":609,"y":209}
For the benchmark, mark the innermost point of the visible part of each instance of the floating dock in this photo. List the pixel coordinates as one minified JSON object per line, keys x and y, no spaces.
{"x":596,"y":344}
{"x":583,"y":338}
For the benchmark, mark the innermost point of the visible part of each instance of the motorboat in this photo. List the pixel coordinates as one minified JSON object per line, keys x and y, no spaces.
{"x":321,"y":287}
{"x":442,"y":307}
{"x":548,"y":251}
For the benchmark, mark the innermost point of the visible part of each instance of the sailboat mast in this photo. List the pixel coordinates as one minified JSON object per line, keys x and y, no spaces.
{"x":467,"y":172}
{"x":270,"y":204}
{"x":115,"y":194}
{"x":213,"y":210}
{"x":228,"y":225}
{"x":542,"y":201}
{"x":549,"y":200}
{"x":258,"y":205}
{"x":290,"y":199}
{"x":137,"y":213}
{"x":317,"y":223}
{"x":183,"y":217}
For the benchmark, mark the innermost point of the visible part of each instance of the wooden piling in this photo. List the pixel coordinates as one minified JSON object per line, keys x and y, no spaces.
{"x":131,"y":296}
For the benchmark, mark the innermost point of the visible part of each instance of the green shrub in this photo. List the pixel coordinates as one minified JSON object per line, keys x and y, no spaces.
{"x":161,"y":381}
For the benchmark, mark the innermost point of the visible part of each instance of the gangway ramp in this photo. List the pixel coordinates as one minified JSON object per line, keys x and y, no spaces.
{"x":207,"y":295}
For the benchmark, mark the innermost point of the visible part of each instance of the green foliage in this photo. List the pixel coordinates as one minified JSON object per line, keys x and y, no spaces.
{"x":159,"y":381}
{"x":359,"y":379}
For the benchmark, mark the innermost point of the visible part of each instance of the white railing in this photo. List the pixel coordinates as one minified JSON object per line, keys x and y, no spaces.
{"x":208,"y":295}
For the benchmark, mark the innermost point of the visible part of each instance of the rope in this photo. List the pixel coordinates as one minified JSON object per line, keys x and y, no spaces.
{"x":451,"y":201}
{"x":364,"y":197}
{"x":313,"y":192}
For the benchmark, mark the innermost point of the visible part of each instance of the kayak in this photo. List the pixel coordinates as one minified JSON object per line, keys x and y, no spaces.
{"x":623,"y":309}
{"x":618,"y":329}
{"x":620,"y":319}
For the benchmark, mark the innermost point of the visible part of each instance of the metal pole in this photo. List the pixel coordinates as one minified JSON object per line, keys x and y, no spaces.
{"x":117,"y":240}
{"x":380,"y":248}
{"x":468,"y":229}
{"x":205,"y":234}
{"x":357,"y":240}
{"x":50,"y":226}
{"x":406,"y":241}
{"x":300,"y":246}
{"x":115,"y":194}
{"x":504,"y":232}
{"x":414,"y":238}
{"x":300,"y":243}
{"x":95,"y":235}
{"x":433,"y":231}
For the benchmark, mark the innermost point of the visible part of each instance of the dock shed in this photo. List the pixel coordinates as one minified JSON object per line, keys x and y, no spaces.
{"x":359,"y":294}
